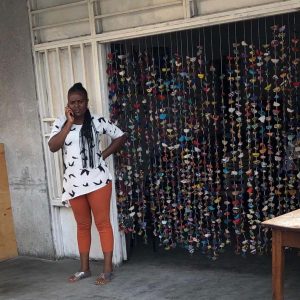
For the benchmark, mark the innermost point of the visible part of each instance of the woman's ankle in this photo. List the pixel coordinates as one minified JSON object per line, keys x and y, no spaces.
{"x":84,"y":269}
{"x":107,"y":270}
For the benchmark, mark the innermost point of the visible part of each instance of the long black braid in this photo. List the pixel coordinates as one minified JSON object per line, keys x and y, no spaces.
{"x":86,"y":138}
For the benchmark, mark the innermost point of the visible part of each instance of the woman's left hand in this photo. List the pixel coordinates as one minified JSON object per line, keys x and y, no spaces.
{"x":115,"y":146}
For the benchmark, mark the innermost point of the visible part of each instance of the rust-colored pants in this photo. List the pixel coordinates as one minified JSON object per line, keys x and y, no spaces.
{"x":98,"y":203}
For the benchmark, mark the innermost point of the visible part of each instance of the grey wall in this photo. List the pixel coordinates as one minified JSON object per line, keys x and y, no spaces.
{"x":20,"y":132}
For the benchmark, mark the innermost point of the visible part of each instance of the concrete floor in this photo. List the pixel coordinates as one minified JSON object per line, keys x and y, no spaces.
{"x":148,"y":275}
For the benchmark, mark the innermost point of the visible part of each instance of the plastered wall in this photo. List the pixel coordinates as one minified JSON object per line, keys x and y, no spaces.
{"x":205,"y":7}
{"x":118,"y":15}
{"x":20,"y":132}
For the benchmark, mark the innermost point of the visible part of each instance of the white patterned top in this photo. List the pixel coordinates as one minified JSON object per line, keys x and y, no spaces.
{"x":78,"y":180}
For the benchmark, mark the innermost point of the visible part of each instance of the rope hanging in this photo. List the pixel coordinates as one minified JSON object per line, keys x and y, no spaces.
{"x":213,"y":119}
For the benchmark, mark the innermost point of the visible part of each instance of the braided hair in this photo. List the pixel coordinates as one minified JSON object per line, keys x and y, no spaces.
{"x":86,"y":136}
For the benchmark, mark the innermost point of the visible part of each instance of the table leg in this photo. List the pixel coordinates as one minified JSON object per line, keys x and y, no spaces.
{"x":277,"y":264}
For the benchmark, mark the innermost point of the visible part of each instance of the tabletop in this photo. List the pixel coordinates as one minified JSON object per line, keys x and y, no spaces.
{"x":288,"y":221}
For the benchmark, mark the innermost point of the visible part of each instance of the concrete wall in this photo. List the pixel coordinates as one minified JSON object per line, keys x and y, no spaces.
{"x":205,"y":7}
{"x":202,"y":7}
{"x":131,"y":20}
{"x":124,"y":20}
{"x":20,"y":132}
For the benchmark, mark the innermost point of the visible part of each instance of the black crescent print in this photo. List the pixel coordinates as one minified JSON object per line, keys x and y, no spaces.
{"x":101,"y":120}
{"x":75,"y":185}
{"x":101,"y":169}
{"x":99,"y":155}
{"x":68,"y":144}
{"x":73,"y":129}
{"x":108,"y":181}
{"x":86,"y":184}
{"x":63,"y":190}
{"x":57,"y":126}
{"x":72,"y":194}
{"x":65,"y":179}
{"x":96,"y":183}
{"x":85,"y":171}
{"x":72,"y":175}
{"x":72,"y":164}
{"x":74,"y":157}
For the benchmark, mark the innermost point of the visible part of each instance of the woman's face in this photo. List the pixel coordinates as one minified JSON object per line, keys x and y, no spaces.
{"x":78,"y":103}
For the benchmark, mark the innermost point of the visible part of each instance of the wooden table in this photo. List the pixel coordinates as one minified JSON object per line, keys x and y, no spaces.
{"x":285,"y":233}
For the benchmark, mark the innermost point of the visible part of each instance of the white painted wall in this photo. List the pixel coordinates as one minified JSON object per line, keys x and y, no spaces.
{"x":20,"y":131}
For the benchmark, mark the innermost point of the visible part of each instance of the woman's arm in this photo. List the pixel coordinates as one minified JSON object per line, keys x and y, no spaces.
{"x":115,"y":146}
{"x":57,"y":141}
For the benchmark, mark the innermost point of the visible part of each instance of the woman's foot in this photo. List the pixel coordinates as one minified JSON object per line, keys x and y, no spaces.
{"x":104,"y":278}
{"x":79,"y":275}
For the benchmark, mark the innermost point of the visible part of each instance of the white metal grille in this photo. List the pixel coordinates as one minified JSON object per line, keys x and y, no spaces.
{"x":57,"y":70}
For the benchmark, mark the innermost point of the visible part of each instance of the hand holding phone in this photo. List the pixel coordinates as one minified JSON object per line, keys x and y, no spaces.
{"x":69,"y":114}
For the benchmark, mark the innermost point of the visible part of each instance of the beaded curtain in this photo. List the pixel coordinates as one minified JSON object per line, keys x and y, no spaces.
{"x":214,"y":136}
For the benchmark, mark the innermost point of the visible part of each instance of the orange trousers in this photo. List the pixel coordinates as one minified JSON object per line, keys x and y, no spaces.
{"x":98,"y":203}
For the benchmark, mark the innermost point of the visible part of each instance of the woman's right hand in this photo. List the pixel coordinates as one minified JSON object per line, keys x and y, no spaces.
{"x":57,"y":141}
{"x":69,"y":114}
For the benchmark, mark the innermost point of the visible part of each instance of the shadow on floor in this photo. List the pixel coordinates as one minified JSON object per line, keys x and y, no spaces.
{"x":151,"y":275}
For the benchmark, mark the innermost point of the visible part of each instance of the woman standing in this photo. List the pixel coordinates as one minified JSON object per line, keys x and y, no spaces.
{"x":87,"y":182}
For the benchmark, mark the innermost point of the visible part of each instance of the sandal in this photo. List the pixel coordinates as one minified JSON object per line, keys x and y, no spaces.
{"x":79,"y":275}
{"x":104,"y":278}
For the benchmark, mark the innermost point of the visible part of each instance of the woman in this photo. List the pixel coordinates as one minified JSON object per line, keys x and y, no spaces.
{"x":87,"y":181}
